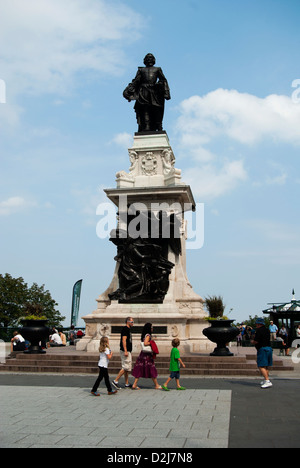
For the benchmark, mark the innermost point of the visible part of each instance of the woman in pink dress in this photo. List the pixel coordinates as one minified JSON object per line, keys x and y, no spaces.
{"x":144,"y":366}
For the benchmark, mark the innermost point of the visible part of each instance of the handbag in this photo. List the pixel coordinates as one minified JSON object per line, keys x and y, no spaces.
{"x":146,"y":349}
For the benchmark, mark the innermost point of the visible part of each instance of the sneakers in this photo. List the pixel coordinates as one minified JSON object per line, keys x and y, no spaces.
{"x":166,"y":389}
{"x":266,"y":384}
{"x":128,"y":385}
{"x":116,"y":385}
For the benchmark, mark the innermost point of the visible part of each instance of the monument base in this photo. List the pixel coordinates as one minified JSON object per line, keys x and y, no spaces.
{"x":154,"y":182}
{"x":168,"y":324}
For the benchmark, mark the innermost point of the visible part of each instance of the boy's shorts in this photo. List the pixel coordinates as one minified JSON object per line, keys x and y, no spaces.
{"x":265,"y":357}
{"x":175,"y":375}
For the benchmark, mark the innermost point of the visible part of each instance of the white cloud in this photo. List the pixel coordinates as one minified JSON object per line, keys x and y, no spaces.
{"x":123,"y":139}
{"x":9,"y":115}
{"x":277,"y":180}
{"x":44,"y":43}
{"x":208,"y":182}
{"x":13,"y":205}
{"x":242,"y":117}
{"x":274,"y":230}
{"x":224,"y":118}
{"x":279,"y":176}
{"x":285,"y":257}
{"x":87,"y":201}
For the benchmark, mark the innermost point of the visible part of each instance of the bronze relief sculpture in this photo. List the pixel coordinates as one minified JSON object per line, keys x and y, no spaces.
{"x":144,"y":268}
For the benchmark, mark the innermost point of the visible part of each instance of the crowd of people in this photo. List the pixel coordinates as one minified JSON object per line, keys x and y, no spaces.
{"x":282,"y":335}
{"x":261,"y":337}
{"x":57,"y":338}
{"x":144,"y":366}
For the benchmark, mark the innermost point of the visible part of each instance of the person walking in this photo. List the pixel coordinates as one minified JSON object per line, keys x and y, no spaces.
{"x":175,"y":363}
{"x":105,"y":356}
{"x":261,"y":341}
{"x":125,"y":352}
{"x":144,"y":366}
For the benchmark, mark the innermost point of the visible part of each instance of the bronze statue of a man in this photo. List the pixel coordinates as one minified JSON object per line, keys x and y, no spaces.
{"x":149,"y":89}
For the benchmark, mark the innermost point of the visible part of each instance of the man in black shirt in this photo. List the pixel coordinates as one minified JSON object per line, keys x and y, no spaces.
{"x":125,"y":352}
{"x":264,"y":351}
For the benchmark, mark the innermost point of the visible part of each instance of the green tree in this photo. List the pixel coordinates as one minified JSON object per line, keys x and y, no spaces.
{"x":15,"y":296}
{"x":251,"y":322}
{"x":39,"y":296}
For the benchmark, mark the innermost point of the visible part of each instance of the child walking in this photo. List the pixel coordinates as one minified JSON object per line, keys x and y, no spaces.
{"x":105,"y":356}
{"x":175,"y":362}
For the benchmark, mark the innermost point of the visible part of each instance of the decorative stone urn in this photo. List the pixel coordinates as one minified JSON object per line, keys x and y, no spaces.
{"x":221,"y":332}
{"x":35,"y":331}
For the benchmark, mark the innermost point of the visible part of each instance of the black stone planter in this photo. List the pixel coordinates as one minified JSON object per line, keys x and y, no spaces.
{"x":35,"y":331}
{"x":221,"y":332}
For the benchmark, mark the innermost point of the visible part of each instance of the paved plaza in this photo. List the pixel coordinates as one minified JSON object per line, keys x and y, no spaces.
{"x":58,"y":411}
{"x":71,"y":417}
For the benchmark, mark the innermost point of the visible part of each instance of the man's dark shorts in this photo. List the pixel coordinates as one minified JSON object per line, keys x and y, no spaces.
{"x":265,"y":357}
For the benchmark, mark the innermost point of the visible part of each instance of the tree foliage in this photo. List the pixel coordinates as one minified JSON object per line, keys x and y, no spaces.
{"x":15,"y":295}
{"x":251,"y":322}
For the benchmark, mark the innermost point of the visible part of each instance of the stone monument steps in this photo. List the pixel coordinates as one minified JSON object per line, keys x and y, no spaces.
{"x":82,"y":365}
{"x":114,"y":370}
{"x":87,"y":364}
{"x":87,"y":359}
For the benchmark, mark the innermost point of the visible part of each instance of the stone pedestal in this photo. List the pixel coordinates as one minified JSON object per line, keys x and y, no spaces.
{"x":154,"y":182}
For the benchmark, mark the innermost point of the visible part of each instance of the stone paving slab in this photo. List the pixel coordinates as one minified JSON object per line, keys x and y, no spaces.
{"x":38,"y":417}
{"x":259,"y":418}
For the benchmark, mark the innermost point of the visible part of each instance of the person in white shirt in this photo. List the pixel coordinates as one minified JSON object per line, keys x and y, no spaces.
{"x":17,"y":342}
{"x":55,"y":340}
{"x":105,"y":356}
{"x":273,"y":331}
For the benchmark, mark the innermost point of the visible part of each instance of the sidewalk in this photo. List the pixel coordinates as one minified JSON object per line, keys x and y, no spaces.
{"x":60,"y":417}
{"x":58,"y":411}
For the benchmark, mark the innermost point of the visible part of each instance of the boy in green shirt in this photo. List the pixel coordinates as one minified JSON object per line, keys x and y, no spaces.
{"x":175,"y":362}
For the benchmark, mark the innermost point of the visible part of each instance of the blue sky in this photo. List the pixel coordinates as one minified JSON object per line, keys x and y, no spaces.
{"x":233,"y":123}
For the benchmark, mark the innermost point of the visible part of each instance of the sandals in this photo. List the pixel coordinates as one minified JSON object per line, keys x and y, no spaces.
{"x":138,"y":388}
